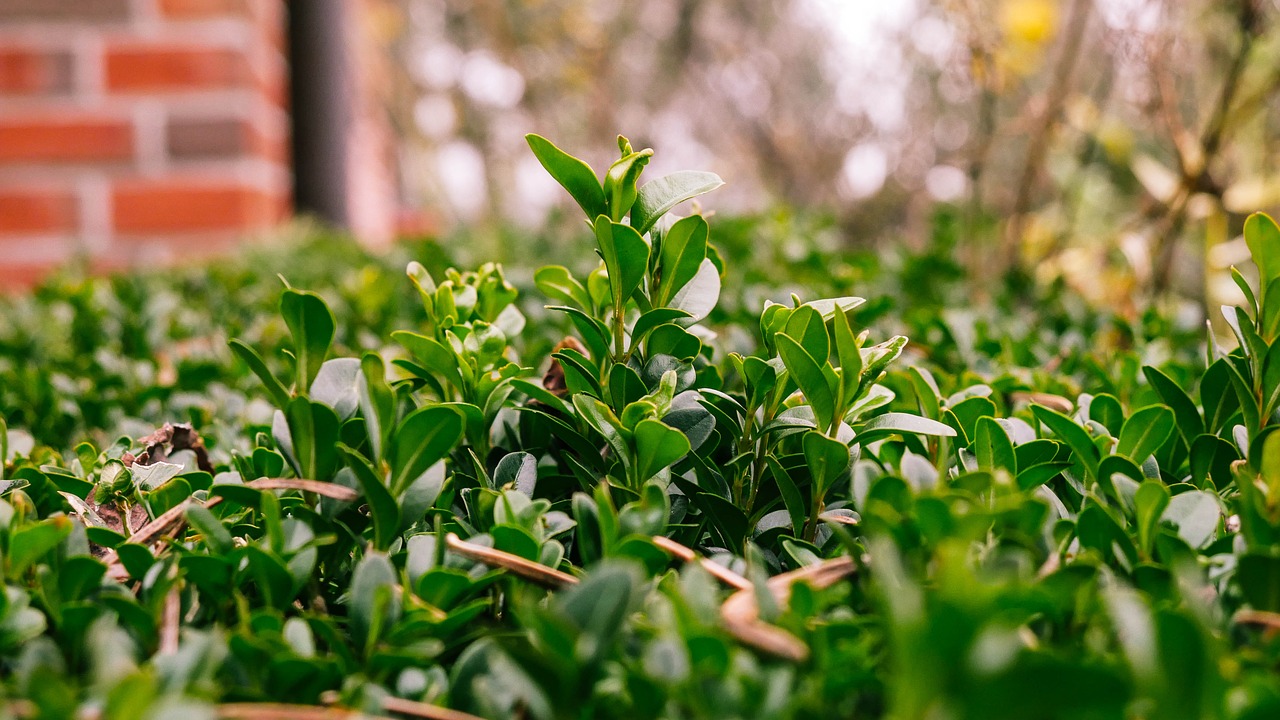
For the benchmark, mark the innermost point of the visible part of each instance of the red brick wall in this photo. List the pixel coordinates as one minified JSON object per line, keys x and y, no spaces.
{"x":138,"y":129}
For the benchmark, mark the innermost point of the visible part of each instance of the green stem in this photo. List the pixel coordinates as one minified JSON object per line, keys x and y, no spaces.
{"x":619,"y":332}
{"x":811,"y":528}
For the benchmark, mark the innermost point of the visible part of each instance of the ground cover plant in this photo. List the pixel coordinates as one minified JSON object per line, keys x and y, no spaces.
{"x":607,"y":493}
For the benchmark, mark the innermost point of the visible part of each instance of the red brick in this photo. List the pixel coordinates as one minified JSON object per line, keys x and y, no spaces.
{"x":203,"y":9}
{"x":159,"y":68}
{"x":28,"y":72}
{"x":177,"y":206}
{"x":65,"y":139}
{"x":31,"y":211}
{"x":64,"y":11}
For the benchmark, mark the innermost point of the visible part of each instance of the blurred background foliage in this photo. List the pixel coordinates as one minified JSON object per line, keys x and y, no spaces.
{"x":1113,"y":144}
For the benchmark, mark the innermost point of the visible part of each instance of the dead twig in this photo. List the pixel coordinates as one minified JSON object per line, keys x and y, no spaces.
{"x":284,"y":711}
{"x":175,"y":516}
{"x":741,"y":612}
{"x":423,"y":710}
{"x":527,"y":569}
{"x":1269,"y":620}
{"x":171,"y":622}
{"x":716,"y":570}
{"x":407,"y":707}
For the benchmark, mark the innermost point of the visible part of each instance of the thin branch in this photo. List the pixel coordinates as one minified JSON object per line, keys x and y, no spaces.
{"x":1038,"y":148}
{"x":527,"y":569}
{"x":741,"y":612}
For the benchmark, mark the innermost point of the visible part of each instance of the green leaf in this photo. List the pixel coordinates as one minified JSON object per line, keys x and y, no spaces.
{"x":926,"y":389}
{"x":279,"y":395}
{"x":30,"y":543}
{"x":1263,"y":238}
{"x":1105,"y":409}
{"x":313,"y":431}
{"x":1217,"y":397}
{"x":377,"y":402}
{"x":425,"y":436}
{"x":849,"y":353}
{"x":374,"y":605}
{"x":993,"y":447}
{"x":1073,"y":435}
{"x":654,"y":319}
{"x":215,"y":534}
{"x":595,"y":335}
{"x":626,"y":257}
{"x":336,"y":386}
{"x":1259,"y":578}
{"x":382,"y":505}
{"x":828,"y":460}
{"x":657,"y":446}
{"x":625,"y":386}
{"x":894,"y":423}
{"x":557,"y":282}
{"x":807,"y":327}
{"x":598,"y":606}
{"x":602,"y":418}
{"x":620,"y":182}
{"x":435,"y":355}
{"x":518,"y":469}
{"x":1149,"y":504}
{"x":684,"y":247}
{"x":792,"y":498}
{"x":1197,"y":515}
{"x":808,"y":374}
{"x":1184,"y":408}
{"x":657,"y":197}
{"x":573,"y":175}
{"x":1246,"y":290}
{"x":312,"y":326}
{"x":699,"y":296}
{"x":967,"y":412}
{"x":1247,"y":403}
{"x":270,"y":574}
{"x":1145,"y":431}
{"x":1270,"y":382}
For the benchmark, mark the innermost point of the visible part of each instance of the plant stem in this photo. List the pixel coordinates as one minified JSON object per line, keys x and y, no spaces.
{"x":619,"y":332}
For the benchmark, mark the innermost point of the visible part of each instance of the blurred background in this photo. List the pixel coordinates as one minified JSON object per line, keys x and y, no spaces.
{"x":1112,"y":145}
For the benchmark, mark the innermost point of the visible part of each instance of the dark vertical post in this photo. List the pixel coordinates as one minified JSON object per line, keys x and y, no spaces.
{"x":321,"y":97}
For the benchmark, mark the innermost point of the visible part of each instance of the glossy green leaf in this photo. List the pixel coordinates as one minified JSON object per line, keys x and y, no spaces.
{"x":625,"y":254}
{"x":313,"y":430}
{"x":684,"y":247}
{"x":657,"y":446}
{"x":423,"y":438}
{"x":656,"y":197}
{"x":558,"y":283}
{"x":1145,"y":431}
{"x":374,"y":602}
{"x":1263,"y":238}
{"x":573,"y":175}
{"x":312,"y":326}
{"x":279,"y":395}
{"x":993,"y":447}
{"x":1076,"y":437}
{"x":807,"y":373}
{"x":827,"y":459}
{"x":382,"y":504}
{"x":1184,"y":409}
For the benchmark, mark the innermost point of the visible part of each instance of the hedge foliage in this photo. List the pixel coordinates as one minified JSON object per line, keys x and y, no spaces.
{"x":689,"y":477}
